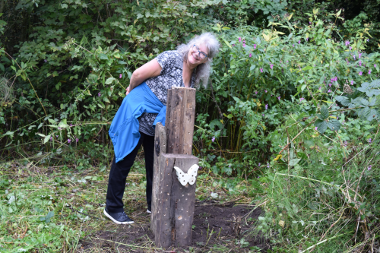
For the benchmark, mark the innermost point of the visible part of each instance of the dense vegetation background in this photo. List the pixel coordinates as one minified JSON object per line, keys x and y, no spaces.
{"x":292,"y":107}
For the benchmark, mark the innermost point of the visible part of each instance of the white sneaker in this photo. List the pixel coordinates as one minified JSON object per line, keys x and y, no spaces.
{"x":148,"y":211}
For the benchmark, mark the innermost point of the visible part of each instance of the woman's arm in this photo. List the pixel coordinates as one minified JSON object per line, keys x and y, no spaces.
{"x":148,"y":70}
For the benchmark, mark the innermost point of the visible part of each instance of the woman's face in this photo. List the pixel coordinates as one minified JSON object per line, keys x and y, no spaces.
{"x":197,"y":54}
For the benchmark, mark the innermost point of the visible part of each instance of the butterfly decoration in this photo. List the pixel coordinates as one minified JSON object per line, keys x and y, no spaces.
{"x":189,"y":177}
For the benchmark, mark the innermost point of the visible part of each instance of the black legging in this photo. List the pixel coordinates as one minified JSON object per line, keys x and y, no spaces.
{"x":119,"y":172}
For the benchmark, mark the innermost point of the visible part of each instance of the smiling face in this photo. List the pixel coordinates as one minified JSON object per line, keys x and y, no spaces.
{"x":193,"y":58}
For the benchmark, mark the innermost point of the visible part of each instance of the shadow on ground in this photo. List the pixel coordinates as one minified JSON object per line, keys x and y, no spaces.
{"x":216,"y":228}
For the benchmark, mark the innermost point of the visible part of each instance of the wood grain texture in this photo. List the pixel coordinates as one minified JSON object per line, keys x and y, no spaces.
{"x":174,"y":210}
{"x":163,"y":221}
{"x":172,"y":203}
{"x":160,"y":144}
{"x":180,"y":116}
{"x":183,"y":198}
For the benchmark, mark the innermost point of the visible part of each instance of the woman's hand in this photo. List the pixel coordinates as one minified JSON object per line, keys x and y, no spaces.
{"x":128,"y":89}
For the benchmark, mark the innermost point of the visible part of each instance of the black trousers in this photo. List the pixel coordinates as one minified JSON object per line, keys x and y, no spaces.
{"x":119,"y":172}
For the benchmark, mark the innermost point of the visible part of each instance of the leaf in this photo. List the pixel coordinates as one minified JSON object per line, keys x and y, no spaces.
{"x":321,"y":125}
{"x":49,"y":216}
{"x":63,"y":124}
{"x":228,"y":44}
{"x":363,"y":113}
{"x":52,"y":121}
{"x":334,"y":124}
{"x":9,"y":133}
{"x":373,"y":92}
{"x":103,"y":57}
{"x":214,"y":123}
{"x":371,"y":89}
{"x":266,"y":37}
{"x":324,"y":112}
{"x":364,"y":101}
{"x":372,"y":115}
{"x":343,"y":100}
{"x":372,"y":102}
{"x":376,"y":83}
{"x":307,"y":68}
{"x":365,"y":87}
{"x":47,"y":138}
{"x":110,"y":80}
{"x":293,"y":162}
{"x":105,"y":99}
{"x":321,"y":79}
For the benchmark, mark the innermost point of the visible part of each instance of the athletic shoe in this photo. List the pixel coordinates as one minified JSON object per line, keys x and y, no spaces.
{"x":118,"y":218}
{"x":148,"y":211}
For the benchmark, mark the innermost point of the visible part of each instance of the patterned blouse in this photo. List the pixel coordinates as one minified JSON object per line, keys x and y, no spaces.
{"x":171,"y":63}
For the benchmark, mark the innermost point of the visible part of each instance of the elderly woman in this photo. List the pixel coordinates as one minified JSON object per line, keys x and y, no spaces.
{"x":144,"y":106}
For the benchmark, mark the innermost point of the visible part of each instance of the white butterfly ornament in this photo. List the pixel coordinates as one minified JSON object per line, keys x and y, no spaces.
{"x":189,"y":177}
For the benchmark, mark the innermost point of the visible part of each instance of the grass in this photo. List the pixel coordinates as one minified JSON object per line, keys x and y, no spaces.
{"x":52,"y":209}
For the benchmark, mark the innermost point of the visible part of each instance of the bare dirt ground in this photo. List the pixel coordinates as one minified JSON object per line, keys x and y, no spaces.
{"x":216,"y":228}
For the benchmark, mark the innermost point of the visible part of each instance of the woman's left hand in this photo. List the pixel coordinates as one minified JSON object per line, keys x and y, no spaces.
{"x":128,"y":89}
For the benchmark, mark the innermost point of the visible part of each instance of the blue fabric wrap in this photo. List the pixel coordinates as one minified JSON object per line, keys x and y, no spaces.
{"x":124,"y":130}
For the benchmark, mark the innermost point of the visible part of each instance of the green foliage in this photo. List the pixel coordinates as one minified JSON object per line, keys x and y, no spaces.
{"x":324,"y":200}
{"x":293,"y":106}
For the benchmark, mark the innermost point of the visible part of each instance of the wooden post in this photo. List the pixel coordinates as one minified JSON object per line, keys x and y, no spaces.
{"x":180,"y":115}
{"x":159,"y":148}
{"x":173,"y":203}
{"x":173,"y":215}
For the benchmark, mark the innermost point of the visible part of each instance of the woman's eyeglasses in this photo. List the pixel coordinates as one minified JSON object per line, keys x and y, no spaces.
{"x":202,"y":55}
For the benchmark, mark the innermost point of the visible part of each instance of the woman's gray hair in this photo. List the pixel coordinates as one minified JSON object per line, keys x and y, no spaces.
{"x":203,"y":71}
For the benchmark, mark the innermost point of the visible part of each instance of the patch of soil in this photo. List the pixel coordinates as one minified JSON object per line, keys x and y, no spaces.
{"x":216,"y":228}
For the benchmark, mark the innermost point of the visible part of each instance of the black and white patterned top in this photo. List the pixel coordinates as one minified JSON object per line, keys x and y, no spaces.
{"x":171,"y":63}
